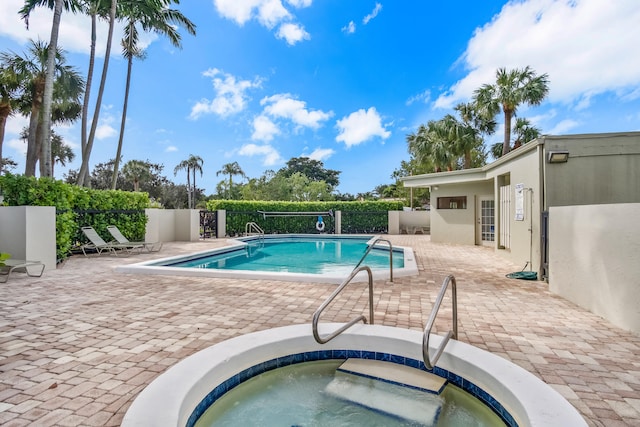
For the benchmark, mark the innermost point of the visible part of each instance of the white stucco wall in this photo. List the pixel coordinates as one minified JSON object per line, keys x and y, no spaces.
{"x":593,"y":259}
{"x":29,"y":233}
{"x":457,"y":225}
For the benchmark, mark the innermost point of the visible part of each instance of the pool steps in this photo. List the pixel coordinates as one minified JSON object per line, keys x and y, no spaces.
{"x":377,"y":385}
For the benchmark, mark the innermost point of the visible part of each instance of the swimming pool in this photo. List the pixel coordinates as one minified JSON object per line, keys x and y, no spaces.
{"x":292,"y":257}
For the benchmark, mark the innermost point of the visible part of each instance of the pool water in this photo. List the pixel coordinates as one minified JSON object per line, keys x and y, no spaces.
{"x":295,"y":396}
{"x":298,"y":255}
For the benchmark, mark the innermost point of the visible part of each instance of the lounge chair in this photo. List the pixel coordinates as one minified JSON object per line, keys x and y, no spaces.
{"x":10,"y":265}
{"x":149,"y":246}
{"x":98,"y":244}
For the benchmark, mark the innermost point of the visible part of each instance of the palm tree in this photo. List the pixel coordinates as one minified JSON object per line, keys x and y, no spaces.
{"x":67,"y":89}
{"x":231,"y":169}
{"x":191,"y":165}
{"x":152,"y":16}
{"x":524,"y":132}
{"x":136,"y":171}
{"x":512,"y":88}
{"x":44,"y":140}
{"x":86,"y":154}
{"x":195,"y":164}
{"x":184,"y":165}
{"x":10,"y":93}
{"x":471,"y":129}
{"x":61,"y":153}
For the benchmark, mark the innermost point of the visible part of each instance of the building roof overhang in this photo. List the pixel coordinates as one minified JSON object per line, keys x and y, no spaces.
{"x":469,"y":175}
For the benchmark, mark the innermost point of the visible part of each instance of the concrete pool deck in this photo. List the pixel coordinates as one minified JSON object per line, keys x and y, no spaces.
{"x":79,"y":343}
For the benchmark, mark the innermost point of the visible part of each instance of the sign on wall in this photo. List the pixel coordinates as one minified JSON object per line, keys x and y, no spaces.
{"x":519,"y":202}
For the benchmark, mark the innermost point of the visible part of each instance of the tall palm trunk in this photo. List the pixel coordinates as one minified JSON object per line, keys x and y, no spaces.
{"x":45,"y":137}
{"x":188,"y":189}
{"x":507,"y":130}
{"x":32,"y":142}
{"x":4,"y":114}
{"x":87,"y":91}
{"x":116,"y":163}
{"x":84,"y":168}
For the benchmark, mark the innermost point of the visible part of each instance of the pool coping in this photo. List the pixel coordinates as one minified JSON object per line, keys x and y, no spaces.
{"x":150,"y":267}
{"x":173,"y":396}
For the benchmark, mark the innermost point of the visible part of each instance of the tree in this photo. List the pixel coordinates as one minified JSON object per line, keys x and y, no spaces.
{"x":152,"y":16}
{"x":136,"y":171}
{"x":44,"y":141}
{"x":312,"y":169}
{"x":68,"y":87}
{"x":191,"y":165}
{"x":524,"y":132}
{"x":61,"y":153}
{"x":470,"y":131}
{"x":10,"y":94}
{"x":512,"y":88}
{"x":86,"y":152}
{"x":231,"y":169}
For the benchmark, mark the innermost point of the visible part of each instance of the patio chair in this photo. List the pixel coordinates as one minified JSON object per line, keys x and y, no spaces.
{"x":120,"y":238}
{"x":10,"y":265}
{"x":98,"y":244}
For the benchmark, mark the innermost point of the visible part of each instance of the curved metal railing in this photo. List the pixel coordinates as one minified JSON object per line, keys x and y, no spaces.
{"x":371,"y":243}
{"x":429,"y":361}
{"x":325,"y":304}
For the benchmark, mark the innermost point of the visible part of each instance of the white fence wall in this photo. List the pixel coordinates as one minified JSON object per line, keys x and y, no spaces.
{"x":593,"y":259}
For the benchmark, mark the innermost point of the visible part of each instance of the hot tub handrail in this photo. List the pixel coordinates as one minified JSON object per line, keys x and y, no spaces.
{"x":316,"y":315}
{"x":370,"y":244}
{"x":430,"y":362}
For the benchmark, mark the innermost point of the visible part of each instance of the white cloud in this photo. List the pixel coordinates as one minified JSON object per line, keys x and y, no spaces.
{"x":360,"y":126}
{"x":300,"y":3}
{"x":105,"y":130}
{"x":269,"y":13}
{"x":287,"y":107}
{"x":264,"y":129}
{"x":321,"y":154}
{"x":292,"y":33}
{"x":350,"y":28}
{"x":585,"y":49}
{"x":373,"y":14}
{"x":230,"y":95}
{"x":171,"y":149}
{"x":271,"y":155}
{"x":75,"y":29}
{"x":563,"y":127}
{"x":423,"y":97}
{"x":17,"y":144}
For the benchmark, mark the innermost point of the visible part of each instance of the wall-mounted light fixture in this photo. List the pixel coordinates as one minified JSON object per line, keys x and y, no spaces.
{"x":435,"y":188}
{"x":558,"y":156}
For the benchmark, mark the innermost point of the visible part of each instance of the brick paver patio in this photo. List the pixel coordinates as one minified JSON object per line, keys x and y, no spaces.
{"x":78,"y":344}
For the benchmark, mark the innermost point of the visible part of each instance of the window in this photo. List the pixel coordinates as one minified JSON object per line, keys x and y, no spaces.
{"x":459,"y":202}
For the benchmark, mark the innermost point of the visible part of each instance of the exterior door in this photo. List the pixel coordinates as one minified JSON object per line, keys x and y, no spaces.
{"x":485,"y":232}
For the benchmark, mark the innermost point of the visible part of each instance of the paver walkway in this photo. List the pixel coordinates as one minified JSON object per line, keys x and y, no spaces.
{"x":78,"y":344}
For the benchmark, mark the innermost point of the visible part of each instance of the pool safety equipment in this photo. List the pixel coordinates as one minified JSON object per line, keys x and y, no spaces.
{"x":320,"y":224}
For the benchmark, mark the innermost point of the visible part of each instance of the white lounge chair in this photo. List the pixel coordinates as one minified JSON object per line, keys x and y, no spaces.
{"x":150,"y":246}
{"x":10,"y":265}
{"x":98,"y":244}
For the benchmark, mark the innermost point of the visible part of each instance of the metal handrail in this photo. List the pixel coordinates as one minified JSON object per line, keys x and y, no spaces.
{"x":371,"y":244}
{"x":316,"y":315}
{"x":428,"y":362}
{"x":253,"y":228}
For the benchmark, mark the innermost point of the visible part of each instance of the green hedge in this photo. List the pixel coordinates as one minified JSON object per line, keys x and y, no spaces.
{"x":77,"y":207}
{"x":357,"y":217}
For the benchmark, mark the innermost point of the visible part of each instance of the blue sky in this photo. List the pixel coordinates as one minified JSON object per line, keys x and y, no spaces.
{"x":340,"y":81}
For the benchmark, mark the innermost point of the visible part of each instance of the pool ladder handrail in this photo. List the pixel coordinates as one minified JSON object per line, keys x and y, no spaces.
{"x":370,"y":244}
{"x":252,"y":229}
{"x":357,"y":269}
{"x":325,"y":304}
{"x":430,"y":362}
